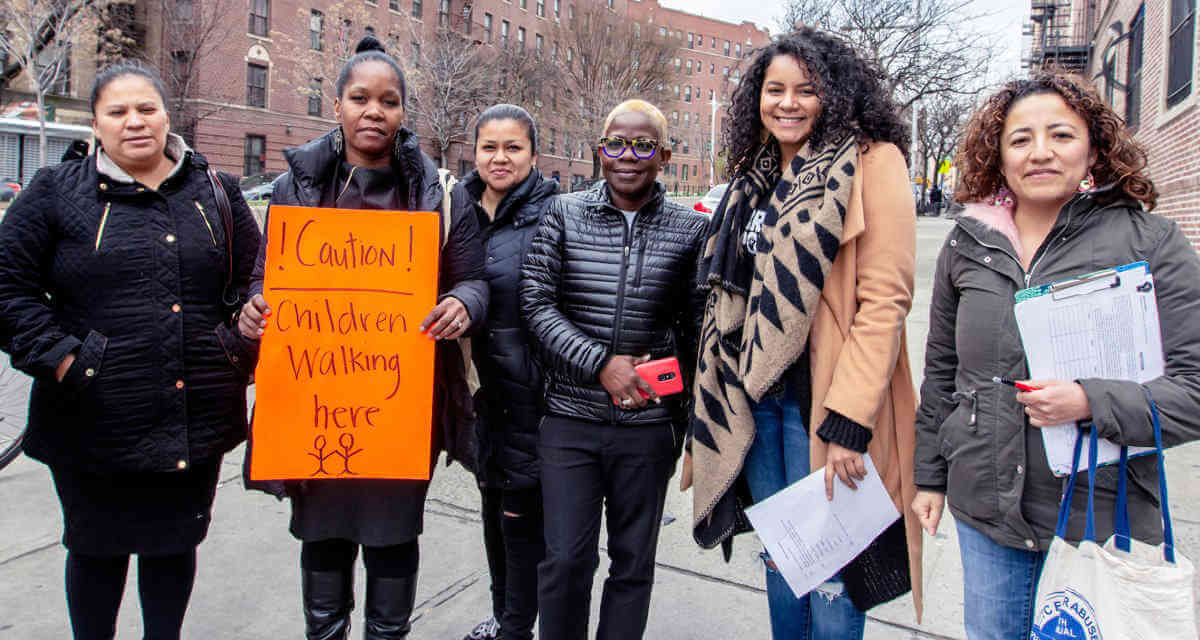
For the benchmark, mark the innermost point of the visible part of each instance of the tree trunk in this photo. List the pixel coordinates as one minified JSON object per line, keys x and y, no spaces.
{"x":41,"y":104}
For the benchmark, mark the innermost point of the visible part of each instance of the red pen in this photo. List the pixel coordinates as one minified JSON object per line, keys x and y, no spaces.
{"x":1013,"y":383}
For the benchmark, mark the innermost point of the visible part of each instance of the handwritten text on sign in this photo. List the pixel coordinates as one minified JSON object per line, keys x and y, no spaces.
{"x":345,"y":377}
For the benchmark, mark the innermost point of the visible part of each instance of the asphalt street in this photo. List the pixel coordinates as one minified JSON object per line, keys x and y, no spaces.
{"x":248,"y":584}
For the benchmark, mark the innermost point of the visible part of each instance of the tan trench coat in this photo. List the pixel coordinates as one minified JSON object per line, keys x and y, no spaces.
{"x":857,"y":343}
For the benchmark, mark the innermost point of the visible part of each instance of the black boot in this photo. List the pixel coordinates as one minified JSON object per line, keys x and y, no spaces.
{"x":389,"y":606}
{"x":328,"y":601}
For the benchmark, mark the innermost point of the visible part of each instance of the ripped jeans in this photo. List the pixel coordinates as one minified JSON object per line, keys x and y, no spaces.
{"x":777,"y":458}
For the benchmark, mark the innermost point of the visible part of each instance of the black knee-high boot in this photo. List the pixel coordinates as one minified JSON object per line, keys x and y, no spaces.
{"x":328,"y":601}
{"x":390,"y":604}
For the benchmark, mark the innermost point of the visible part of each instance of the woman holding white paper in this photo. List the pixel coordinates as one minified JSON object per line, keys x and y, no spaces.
{"x":370,"y":161}
{"x":809,"y":272}
{"x":1055,"y":188}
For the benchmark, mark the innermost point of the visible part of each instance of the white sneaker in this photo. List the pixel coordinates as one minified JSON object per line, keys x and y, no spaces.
{"x":487,"y":630}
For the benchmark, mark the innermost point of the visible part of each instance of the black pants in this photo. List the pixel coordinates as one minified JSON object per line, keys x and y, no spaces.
{"x":512,"y":533}
{"x":587,"y":468}
{"x":336,"y":554}
{"x":95,"y":585}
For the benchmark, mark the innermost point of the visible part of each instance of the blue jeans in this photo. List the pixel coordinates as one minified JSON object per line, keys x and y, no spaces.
{"x":777,"y":458}
{"x":999,"y":586}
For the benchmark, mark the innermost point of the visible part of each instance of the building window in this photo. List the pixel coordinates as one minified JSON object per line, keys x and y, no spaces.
{"x":711,"y":95}
{"x":394,"y":5}
{"x":260,"y":15}
{"x":738,"y":49}
{"x":524,"y":5}
{"x":316,"y":27}
{"x":570,"y":57}
{"x":539,"y":44}
{"x":557,"y":8}
{"x":417,"y":9}
{"x":687,"y":94}
{"x":314,"y":97}
{"x":554,"y":51}
{"x":416,"y":53}
{"x":1133,"y":79}
{"x":444,"y":13}
{"x":487,"y":26}
{"x":256,"y":85}
{"x":689,"y":67}
{"x":699,"y":41}
{"x":256,"y":156}
{"x":610,"y":4}
{"x":550,"y":142}
{"x":662,"y":32}
{"x":1181,"y":51}
{"x":504,"y":33}
{"x":571,"y":12}
{"x":521,"y":39}
{"x":726,"y":47}
{"x":541,"y":8}
{"x":467,"y":18}
{"x":691,"y":41}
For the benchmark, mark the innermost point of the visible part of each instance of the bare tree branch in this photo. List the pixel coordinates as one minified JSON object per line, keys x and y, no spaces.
{"x":451,"y":78}
{"x":192,"y":33}
{"x":37,"y":37}
{"x":925,"y":47}
{"x":604,"y":61}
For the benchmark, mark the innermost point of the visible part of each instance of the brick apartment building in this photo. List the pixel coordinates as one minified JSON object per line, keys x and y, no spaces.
{"x":252,"y":106}
{"x":1142,"y":56}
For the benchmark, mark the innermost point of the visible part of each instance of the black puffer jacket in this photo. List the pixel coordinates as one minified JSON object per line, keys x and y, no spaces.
{"x":130,"y":280}
{"x":509,"y":401}
{"x":311,"y":166}
{"x":591,"y":289}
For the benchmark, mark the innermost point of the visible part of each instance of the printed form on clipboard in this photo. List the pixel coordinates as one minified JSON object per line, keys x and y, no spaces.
{"x":1100,"y":325}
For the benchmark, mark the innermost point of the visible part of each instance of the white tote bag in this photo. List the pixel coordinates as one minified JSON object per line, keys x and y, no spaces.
{"x":1124,"y":590}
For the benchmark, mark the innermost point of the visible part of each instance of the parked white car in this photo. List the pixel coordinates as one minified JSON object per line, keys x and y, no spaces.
{"x":709,"y":202}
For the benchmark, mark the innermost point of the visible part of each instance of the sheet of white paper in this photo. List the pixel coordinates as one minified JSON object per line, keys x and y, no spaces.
{"x":810,"y":538}
{"x":1108,"y":332}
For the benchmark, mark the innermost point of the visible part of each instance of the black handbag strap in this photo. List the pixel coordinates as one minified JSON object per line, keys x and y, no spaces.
{"x":226,"y":209}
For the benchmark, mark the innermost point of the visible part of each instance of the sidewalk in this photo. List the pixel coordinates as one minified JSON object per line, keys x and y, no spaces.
{"x":248,"y":585}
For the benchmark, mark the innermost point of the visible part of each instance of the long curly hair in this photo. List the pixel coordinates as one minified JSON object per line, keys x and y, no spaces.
{"x":1119,"y":158}
{"x":852,"y":90}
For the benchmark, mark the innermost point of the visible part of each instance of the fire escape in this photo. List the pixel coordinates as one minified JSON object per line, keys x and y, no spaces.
{"x":1060,"y":31}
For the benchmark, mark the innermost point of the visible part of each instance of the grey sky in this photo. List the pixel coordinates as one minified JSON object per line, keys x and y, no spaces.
{"x":1005,"y":20}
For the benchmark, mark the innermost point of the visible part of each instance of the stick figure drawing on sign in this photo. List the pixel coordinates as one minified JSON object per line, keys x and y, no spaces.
{"x":348,"y":451}
{"x":318,"y":452}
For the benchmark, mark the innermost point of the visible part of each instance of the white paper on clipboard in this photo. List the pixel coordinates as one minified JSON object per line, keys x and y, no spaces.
{"x":1102,"y":325}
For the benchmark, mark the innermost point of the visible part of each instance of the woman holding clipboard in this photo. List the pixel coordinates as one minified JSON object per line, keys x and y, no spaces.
{"x":370,"y":161}
{"x":1054,"y":187}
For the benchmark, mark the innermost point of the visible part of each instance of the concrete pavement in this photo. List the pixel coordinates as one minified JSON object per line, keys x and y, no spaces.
{"x":248,"y":582}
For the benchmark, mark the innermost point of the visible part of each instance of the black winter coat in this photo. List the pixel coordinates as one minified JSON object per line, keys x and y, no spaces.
{"x":591,"y":288}
{"x":510,"y":399}
{"x":129,"y":279}
{"x":311,"y":166}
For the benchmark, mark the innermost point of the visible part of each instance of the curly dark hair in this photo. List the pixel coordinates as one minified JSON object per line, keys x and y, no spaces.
{"x":854,"y":98}
{"x":1119,"y":158}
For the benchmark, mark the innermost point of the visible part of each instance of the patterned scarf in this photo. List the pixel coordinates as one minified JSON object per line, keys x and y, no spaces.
{"x":760,"y":308}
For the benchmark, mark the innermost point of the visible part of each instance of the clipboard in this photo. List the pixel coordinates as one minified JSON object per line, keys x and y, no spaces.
{"x":1102,"y":324}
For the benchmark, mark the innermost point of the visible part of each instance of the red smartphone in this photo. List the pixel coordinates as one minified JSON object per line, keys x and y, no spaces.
{"x":662,"y":375}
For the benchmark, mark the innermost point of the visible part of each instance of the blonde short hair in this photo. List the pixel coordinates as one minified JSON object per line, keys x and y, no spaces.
{"x":643,"y":107}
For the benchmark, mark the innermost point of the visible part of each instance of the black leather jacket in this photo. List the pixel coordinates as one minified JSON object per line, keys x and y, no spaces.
{"x":509,"y":401}
{"x":592,"y":288}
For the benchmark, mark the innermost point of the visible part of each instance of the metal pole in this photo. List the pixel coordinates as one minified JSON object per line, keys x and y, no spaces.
{"x":712,"y":144}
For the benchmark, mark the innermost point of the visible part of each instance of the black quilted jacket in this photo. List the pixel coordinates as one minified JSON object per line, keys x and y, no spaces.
{"x":509,"y":401}
{"x":591,"y":289}
{"x":131,"y":280}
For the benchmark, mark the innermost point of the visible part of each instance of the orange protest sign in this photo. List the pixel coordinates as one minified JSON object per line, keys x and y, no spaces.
{"x":345,"y":376}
